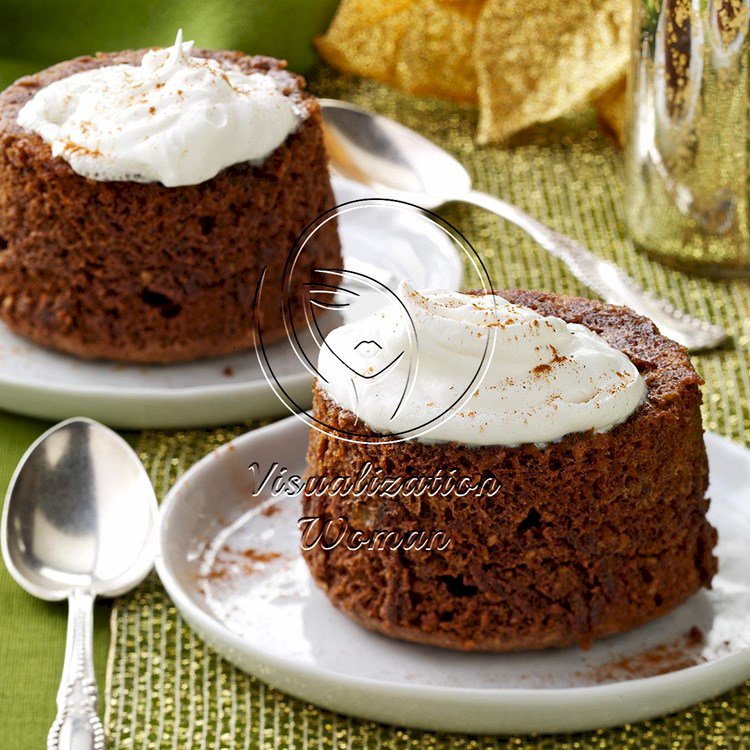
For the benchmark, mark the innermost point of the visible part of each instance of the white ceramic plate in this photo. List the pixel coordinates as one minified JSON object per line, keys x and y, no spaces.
{"x":42,"y":383}
{"x":233,"y":569}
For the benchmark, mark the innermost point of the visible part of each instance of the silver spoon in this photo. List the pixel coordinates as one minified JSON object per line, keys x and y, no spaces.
{"x":397,"y":162}
{"x":79,"y":522}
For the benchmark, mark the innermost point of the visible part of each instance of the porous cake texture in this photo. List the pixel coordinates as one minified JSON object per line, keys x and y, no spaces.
{"x":588,"y":536}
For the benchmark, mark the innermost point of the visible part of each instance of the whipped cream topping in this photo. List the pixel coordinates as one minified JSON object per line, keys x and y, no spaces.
{"x":443,"y":366}
{"x":175,"y":118}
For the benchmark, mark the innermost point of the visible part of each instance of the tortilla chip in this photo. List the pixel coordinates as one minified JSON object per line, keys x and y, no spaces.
{"x":536,"y":66}
{"x":435,"y":54}
{"x":420,"y":46}
{"x":364,"y":37}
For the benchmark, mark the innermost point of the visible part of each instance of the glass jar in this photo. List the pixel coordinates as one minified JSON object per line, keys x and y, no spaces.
{"x":686,"y":160}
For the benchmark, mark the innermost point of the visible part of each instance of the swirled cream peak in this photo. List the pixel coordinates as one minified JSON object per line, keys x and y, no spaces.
{"x":444,"y":366}
{"x":176,"y":118}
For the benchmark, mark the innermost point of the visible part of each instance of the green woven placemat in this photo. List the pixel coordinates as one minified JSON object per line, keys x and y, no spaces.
{"x":167,"y":689}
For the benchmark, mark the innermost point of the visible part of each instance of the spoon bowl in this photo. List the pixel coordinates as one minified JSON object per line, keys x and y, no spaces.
{"x":390,"y":158}
{"x":80,"y":514}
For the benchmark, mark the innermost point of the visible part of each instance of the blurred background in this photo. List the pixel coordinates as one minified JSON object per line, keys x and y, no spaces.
{"x":38,"y":33}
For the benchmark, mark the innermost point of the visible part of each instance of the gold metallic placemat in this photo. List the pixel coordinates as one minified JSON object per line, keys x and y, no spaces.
{"x":167,"y":689}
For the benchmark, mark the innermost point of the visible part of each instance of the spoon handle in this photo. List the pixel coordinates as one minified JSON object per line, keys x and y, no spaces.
{"x":605,"y":278}
{"x":77,"y":725}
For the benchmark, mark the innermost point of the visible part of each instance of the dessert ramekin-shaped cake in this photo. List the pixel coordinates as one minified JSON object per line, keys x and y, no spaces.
{"x":586,"y":418}
{"x":143,"y":192}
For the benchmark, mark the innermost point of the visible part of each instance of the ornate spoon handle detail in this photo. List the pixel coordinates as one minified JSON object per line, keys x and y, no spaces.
{"x":605,"y":278}
{"x":77,"y":725}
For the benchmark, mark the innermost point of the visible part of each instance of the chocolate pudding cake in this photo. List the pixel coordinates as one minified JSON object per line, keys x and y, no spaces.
{"x":589,"y":421}
{"x":142,"y":193}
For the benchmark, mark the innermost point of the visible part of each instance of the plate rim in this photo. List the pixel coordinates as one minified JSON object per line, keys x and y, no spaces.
{"x":145,"y":394}
{"x":533,"y":697}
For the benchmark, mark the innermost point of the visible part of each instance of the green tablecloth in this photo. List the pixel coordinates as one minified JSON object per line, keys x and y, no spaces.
{"x":38,"y":33}
{"x":166,"y":689}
